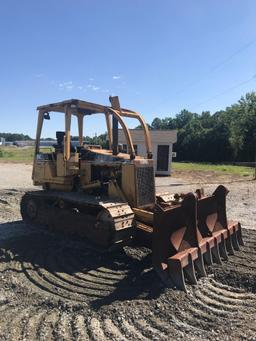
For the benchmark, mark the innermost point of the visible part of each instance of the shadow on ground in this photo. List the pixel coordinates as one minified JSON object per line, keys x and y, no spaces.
{"x":70,"y":268}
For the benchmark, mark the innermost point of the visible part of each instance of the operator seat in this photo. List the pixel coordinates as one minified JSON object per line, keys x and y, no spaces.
{"x":59,"y":147}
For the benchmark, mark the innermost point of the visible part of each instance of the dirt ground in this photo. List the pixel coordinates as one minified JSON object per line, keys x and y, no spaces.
{"x":57,"y":288}
{"x":15,"y":175}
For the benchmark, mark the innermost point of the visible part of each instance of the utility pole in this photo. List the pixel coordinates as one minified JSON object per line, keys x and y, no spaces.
{"x":255,"y":166}
{"x":254,"y":158}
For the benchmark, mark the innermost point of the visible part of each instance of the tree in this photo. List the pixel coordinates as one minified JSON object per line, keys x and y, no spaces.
{"x":10,"y":137}
{"x":243,"y":127}
{"x":183,"y":118}
{"x":224,"y":136}
{"x":156,"y":123}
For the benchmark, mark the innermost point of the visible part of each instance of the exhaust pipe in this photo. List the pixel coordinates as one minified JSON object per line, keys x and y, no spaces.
{"x":115,"y":135}
{"x":115,"y":105}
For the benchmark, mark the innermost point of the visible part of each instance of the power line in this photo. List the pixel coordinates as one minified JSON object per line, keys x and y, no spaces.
{"x":227,"y":90}
{"x":218,"y":65}
{"x":241,"y":49}
{"x":214,"y":68}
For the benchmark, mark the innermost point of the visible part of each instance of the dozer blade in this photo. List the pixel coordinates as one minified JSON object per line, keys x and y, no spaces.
{"x":213,"y":223}
{"x":175,"y":251}
{"x":188,"y":234}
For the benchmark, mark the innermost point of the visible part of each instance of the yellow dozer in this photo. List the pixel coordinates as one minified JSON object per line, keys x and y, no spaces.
{"x":109,"y":198}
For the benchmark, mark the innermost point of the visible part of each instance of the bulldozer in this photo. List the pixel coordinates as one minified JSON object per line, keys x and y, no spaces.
{"x":108,"y":197}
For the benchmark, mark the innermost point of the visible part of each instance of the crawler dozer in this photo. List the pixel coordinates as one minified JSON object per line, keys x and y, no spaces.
{"x":108,"y":197}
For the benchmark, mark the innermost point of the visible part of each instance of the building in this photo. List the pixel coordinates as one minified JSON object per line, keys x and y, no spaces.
{"x":8,"y":144}
{"x":24,"y":143}
{"x":162,"y":146}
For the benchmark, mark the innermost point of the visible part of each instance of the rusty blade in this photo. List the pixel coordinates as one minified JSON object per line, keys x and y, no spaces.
{"x":175,"y":241}
{"x":174,"y":229}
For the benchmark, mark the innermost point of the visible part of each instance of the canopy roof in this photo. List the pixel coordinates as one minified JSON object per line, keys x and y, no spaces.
{"x":81,"y":107}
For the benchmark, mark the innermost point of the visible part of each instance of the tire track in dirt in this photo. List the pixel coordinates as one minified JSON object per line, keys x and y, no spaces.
{"x":131,"y":331}
{"x":79,"y":328}
{"x":212,"y":300}
{"x":61,"y":273}
{"x":65,"y":282}
{"x":113,"y":331}
{"x":33,"y":324}
{"x":149,"y":331}
{"x":212,"y":309}
{"x":32,"y":327}
{"x":59,"y":325}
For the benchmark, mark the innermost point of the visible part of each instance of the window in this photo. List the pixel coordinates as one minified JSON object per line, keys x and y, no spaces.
{"x":124,"y":148}
{"x":135,"y":146}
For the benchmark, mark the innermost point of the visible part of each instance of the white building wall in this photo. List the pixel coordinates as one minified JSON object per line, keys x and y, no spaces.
{"x":158,"y":137}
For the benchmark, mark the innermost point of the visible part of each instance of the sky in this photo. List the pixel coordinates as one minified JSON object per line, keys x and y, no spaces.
{"x":159,"y":57}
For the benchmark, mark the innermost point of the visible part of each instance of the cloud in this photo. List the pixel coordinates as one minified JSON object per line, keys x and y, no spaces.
{"x":91,"y":79}
{"x":39,"y":75}
{"x":70,"y":85}
{"x":116,"y":77}
{"x":66,"y":85}
{"x":95,"y":88}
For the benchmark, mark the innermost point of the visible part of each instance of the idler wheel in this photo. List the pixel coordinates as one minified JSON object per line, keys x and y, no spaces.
{"x":29,"y":209}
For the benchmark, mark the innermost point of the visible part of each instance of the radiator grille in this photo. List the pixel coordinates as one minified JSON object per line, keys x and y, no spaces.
{"x":145,"y":185}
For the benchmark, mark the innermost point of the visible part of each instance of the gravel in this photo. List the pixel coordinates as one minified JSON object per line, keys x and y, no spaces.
{"x":55,"y":287}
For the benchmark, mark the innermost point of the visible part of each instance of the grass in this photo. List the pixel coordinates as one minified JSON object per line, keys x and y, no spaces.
{"x":204,"y":167}
{"x":25,"y":155}
{"x":16,"y":154}
{"x":20,"y":154}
